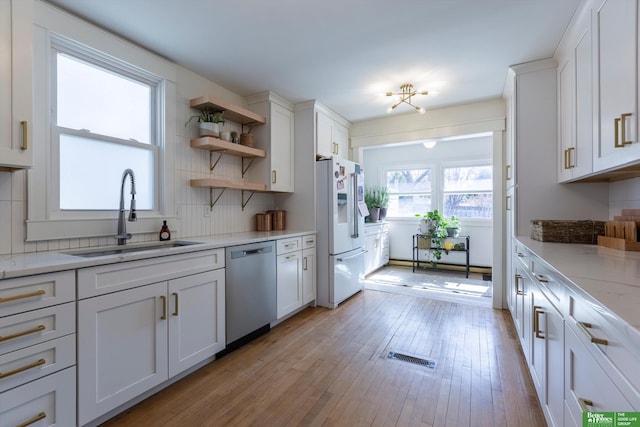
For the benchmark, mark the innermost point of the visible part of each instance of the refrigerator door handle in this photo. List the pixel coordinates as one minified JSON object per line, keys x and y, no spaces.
{"x":354,"y":179}
{"x":352,"y":256}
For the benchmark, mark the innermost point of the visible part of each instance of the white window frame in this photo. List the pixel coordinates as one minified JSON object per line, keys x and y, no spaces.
{"x":47,"y":223}
{"x":462,"y":164}
{"x":435,"y":182}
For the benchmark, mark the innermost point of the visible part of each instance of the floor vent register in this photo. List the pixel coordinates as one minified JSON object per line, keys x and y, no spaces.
{"x":431,"y":364}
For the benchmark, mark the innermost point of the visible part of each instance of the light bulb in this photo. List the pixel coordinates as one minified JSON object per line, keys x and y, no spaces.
{"x":429,"y":144}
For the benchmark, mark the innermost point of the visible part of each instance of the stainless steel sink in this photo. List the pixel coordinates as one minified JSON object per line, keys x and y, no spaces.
{"x":127,"y":249}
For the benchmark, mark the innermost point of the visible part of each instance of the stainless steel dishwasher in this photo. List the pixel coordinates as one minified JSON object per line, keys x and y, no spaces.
{"x":250,"y":291}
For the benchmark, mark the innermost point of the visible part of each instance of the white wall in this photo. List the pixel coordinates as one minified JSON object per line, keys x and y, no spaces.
{"x":472,"y":149}
{"x":624,"y":195}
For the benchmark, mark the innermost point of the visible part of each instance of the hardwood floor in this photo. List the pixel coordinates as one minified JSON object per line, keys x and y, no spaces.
{"x":329,"y":368}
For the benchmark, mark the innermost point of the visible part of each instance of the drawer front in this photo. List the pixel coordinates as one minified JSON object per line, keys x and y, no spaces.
{"x":522,"y":255}
{"x":587,"y":387}
{"x":34,"y":327}
{"x":550,"y":282}
{"x":284,"y":246}
{"x":36,"y":361}
{"x":615,"y":345}
{"x":33,"y":292}
{"x":109,"y":278}
{"x":49,"y":401}
{"x":309,"y":241}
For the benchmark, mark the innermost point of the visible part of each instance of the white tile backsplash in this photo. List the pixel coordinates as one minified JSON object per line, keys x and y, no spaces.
{"x":624,"y":195}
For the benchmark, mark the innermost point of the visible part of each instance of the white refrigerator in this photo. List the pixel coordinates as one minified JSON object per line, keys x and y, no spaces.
{"x":340,"y":212}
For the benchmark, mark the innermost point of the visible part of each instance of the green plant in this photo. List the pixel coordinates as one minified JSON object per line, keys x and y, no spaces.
{"x":437,"y":231}
{"x":384,"y":197}
{"x":207,"y":116}
{"x":376,"y":197}
{"x":452,"y":222}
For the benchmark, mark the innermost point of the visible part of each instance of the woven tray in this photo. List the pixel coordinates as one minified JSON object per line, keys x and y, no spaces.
{"x":567,"y":231}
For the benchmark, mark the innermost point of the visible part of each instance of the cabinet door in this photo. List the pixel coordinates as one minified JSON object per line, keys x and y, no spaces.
{"x":308,"y":275}
{"x":196,"y":319}
{"x":566,"y":99}
{"x":581,"y":160}
{"x":324,"y":135}
{"x":281,"y":154}
{"x":122,"y":348}
{"x":16,"y":71}
{"x":341,"y":140}
{"x":547,"y":355}
{"x":616,"y":47}
{"x":49,"y":401}
{"x":288,"y":278}
{"x":16,"y":96}
{"x":586,"y":386}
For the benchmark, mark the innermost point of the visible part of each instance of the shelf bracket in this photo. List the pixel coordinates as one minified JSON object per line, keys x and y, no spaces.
{"x":246,"y":168}
{"x":212,"y":201}
{"x":212,"y":164}
{"x":244,"y":202}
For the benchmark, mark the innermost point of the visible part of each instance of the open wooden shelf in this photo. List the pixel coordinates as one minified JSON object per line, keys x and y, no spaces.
{"x":223,"y":183}
{"x":232,"y":112}
{"x":211,"y":143}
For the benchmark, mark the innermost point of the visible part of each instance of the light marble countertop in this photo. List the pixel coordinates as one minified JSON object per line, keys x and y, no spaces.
{"x":46,"y":262}
{"x":609,"y":276}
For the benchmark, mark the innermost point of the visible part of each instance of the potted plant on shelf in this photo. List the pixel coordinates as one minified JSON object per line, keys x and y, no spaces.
{"x":209,"y":122}
{"x":433,"y":231}
{"x":384,"y":202}
{"x":452,"y":225}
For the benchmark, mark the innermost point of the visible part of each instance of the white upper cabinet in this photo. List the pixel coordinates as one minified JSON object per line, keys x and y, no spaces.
{"x":16,"y":96}
{"x":575,"y":104}
{"x":332,"y":137}
{"x":277,"y":139}
{"x":615,"y":24}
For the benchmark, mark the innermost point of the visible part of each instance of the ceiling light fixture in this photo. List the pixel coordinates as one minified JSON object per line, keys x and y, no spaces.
{"x":430,"y":143}
{"x":405,"y":94}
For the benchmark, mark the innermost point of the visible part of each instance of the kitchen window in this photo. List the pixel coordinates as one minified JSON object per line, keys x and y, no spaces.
{"x":104,"y":105}
{"x":409,"y":191}
{"x":467,"y":191}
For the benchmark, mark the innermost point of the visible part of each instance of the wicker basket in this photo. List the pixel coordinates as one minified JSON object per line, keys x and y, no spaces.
{"x":567,"y":231}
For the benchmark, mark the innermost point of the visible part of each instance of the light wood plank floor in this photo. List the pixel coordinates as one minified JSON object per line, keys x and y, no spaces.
{"x":329,"y":368}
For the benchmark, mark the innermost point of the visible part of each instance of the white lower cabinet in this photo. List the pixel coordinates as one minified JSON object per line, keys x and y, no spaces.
{"x":376,"y":245}
{"x":133,"y":340}
{"x":295,"y":273}
{"x":587,"y":387}
{"x":49,"y":401}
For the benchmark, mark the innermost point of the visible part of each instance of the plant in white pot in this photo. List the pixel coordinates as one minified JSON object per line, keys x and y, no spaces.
{"x":210,"y":122}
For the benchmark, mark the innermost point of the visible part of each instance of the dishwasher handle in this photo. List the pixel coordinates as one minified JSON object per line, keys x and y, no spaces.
{"x":253,"y":252}
{"x":242,"y":253}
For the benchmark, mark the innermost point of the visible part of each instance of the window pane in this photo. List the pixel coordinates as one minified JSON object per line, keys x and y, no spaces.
{"x":91,"y":174}
{"x":468,"y":205}
{"x":469,"y":178}
{"x":407,"y":205}
{"x":92,"y":98}
{"x":409,"y":181}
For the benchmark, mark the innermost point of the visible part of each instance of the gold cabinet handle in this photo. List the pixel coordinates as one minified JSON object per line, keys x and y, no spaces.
{"x":583,"y":327}
{"x":623,"y":128}
{"x":508,"y":172}
{"x":23,"y":296}
{"x":25,"y":135}
{"x":273,"y":177}
{"x":23,"y":333}
{"x":22,"y":369}
{"x":507,"y":203}
{"x":542,"y":279}
{"x":568,"y":164}
{"x":566,"y":160}
{"x":304,"y":262}
{"x":517,"y":278}
{"x":520,"y":254}
{"x":40,"y":416}
{"x":616,"y":125}
{"x":584,"y":404}
{"x":164,"y":307}
{"x":537,"y":310}
{"x":175,"y":299}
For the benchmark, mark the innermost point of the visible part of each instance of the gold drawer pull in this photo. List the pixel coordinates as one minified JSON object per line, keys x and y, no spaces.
{"x":22,"y":369}
{"x":542,"y":279}
{"x":537,"y":310}
{"x":305,"y":263}
{"x":175,"y":296}
{"x":623,"y":128}
{"x":584,"y":404}
{"x":616,"y":139}
{"x":23,"y":333}
{"x":23,"y":296}
{"x":569,"y":164}
{"x":164,"y":307}
{"x":508,"y":172}
{"x":25,"y":135}
{"x":583,"y":327}
{"x":517,"y":278}
{"x":40,"y":416}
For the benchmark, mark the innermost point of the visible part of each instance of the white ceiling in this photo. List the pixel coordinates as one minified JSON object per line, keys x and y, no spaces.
{"x":345,"y":53}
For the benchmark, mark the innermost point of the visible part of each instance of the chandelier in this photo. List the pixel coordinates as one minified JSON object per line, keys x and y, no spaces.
{"x":405,"y":94}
